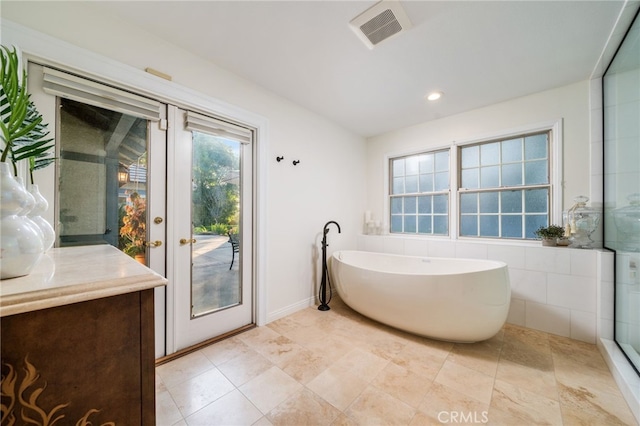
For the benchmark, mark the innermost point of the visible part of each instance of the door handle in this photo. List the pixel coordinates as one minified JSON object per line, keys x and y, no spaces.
{"x":184,"y":241}
{"x":156,"y":243}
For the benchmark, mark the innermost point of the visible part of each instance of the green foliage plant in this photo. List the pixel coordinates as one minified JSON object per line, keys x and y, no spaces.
{"x":549,"y":232}
{"x":22,"y":131}
{"x":219,"y":228}
{"x":199,"y":230}
{"x":215,"y":197}
{"x":214,"y":229}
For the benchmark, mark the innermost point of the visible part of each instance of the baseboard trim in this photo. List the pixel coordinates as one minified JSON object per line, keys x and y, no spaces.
{"x":288,"y":310}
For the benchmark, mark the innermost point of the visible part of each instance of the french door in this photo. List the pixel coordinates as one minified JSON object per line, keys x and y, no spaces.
{"x":210,"y":175}
{"x":172,"y":188}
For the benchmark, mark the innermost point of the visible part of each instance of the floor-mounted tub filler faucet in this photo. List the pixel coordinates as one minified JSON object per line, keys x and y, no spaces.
{"x":324,"y":303}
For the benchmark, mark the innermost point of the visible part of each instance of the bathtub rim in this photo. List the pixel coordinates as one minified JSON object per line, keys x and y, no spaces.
{"x":497,"y":264}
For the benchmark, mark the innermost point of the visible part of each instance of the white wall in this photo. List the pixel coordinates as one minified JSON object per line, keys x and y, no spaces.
{"x":569,"y":103}
{"x":328,"y":184}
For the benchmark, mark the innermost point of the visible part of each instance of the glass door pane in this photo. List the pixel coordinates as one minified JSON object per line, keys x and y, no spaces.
{"x":215,"y":209}
{"x":103,"y":178}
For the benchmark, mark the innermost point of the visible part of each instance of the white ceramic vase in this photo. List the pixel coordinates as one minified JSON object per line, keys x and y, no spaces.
{"x":30,"y":203}
{"x":41,"y":206}
{"x":21,"y":244}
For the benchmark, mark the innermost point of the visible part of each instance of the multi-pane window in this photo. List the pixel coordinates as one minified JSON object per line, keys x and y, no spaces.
{"x":504,"y":187}
{"x":419,"y":193}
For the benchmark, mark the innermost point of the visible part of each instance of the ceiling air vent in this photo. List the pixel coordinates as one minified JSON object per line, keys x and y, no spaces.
{"x":381,"y":21}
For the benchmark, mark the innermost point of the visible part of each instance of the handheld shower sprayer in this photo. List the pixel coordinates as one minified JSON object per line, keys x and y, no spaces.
{"x":324,"y":303}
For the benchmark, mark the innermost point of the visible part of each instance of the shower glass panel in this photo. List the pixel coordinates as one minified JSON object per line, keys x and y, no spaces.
{"x":621,"y":90}
{"x":102,"y":178}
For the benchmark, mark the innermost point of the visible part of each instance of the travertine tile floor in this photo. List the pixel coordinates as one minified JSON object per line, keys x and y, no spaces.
{"x":340,"y":368}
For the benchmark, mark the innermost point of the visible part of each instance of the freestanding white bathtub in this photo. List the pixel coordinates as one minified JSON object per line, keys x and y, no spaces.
{"x":460,"y":300}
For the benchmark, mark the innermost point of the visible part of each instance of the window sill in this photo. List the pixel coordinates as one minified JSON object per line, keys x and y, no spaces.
{"x":485,"y":241}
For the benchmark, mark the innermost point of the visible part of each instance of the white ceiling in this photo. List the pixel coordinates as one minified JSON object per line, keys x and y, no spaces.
{"x":476,"y":52}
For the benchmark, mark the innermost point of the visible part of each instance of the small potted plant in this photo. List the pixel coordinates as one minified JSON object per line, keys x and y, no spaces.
{"x":549,"y":234}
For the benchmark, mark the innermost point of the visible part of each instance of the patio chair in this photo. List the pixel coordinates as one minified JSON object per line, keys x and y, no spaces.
{"x":235,"y":246}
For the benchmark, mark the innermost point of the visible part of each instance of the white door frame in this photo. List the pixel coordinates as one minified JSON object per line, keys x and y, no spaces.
{"x":157,"y":207}
{"x":186,"y":330}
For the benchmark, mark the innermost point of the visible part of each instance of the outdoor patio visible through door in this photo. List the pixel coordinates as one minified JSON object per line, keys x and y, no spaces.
{"x":216,"y":281}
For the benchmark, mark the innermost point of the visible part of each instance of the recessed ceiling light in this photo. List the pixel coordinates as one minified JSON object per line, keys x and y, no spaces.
{"x":434,"y":96}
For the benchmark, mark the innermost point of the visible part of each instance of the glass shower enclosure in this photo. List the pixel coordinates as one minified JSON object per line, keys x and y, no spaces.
{"x":621,"y":98}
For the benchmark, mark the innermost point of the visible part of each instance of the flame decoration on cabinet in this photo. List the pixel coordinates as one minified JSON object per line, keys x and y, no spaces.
{"x":25,"y":399}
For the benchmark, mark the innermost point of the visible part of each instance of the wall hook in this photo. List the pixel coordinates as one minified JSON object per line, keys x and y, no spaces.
{"x":279,"y":159}
{"x":296,"y":162}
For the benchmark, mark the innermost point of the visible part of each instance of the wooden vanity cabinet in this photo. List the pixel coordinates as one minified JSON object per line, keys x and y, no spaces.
{"x":86,"y":362}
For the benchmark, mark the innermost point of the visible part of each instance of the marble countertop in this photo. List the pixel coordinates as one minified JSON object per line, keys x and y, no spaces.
{"x":75,"y":274}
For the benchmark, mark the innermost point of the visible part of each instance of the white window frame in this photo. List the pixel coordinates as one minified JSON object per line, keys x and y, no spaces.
{"x":434,"y":193}
{"x":555,"y":127}
{"x":386,"y":167}
{"x":555,"y":170}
